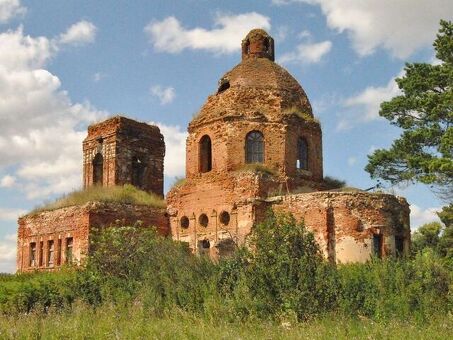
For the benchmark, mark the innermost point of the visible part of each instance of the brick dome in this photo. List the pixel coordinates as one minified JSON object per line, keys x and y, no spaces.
{"x":256,"y":87}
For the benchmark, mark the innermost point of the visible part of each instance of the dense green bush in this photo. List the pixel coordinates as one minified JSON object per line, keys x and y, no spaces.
{"x":280,"y":275}
{"x":284,"y":274}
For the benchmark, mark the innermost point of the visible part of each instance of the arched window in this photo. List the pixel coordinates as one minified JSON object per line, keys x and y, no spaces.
{"x":302,"y":154}
{"x":266,"y":45}
{"x":138,"y":172}
{"x":98,"y":168}
{"x":205,"y":154}
{"x":254,"y":146}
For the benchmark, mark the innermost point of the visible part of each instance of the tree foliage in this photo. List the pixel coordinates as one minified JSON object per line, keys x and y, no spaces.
{"x":424,"y":110}
{"x":435,"y":236}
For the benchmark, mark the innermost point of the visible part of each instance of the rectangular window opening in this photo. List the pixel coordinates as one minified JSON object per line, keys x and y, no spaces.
{"x":41,"y":253}
{"x":399,"y":246}
{"x":69,"y":246}
{"x":377,"y":245}
{"x":32,"y":261}
{"x":50,"y":253}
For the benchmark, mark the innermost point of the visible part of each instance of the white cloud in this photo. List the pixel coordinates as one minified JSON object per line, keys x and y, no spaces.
{"x":307,"y":53}
{"x":98,"y":76}
{"x":352,"y":160}
{"x":10,"y":214}
{"x":175,"y":149}
{"x":400,"y":27}
{"x":42,"y":128}
{"x":421,"y":216}
{"x":170,"y":36}
{"x":7,"y":181}
{"x":9,"y":9}
{"x":281,"y":33}
{"x":83,"y":32}
{"x":371,"y":98}
{"x":8,"y":253}
{"x":165,"y":94}
{"x":366,"y":104}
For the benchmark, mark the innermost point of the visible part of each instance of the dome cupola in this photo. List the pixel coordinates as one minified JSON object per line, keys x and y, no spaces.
{"x":258,"y":44}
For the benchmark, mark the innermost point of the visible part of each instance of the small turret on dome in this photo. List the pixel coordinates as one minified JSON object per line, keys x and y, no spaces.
{"x":258,"y":44}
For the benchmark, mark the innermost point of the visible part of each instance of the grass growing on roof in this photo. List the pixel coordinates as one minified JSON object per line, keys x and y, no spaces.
{"x":116,"y":194}
{"x":257,"y":167}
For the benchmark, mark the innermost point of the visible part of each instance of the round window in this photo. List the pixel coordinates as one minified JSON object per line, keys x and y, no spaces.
{"x":224,"y":218}
{"x":203,"y":220}
{"x":184,"y":222}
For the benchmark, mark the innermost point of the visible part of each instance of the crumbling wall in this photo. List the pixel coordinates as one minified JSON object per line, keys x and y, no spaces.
{"x":106,"y":214}
{"x":75,"y":223}
{"x":123,"y":141}
{"x":224,"y":199}
{"x":344,"y":223}
{"x":58,"y":226}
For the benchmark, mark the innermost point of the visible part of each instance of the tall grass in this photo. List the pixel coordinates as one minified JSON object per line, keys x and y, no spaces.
{"x":283,"y":281}
{"x":134,"y":322}
{"x":117,"y":194}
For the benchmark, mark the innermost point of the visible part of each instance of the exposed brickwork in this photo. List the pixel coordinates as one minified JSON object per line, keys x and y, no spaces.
{"x":76,"y":223}
{"x":225,"y":193}
{"x":344,"y":223}
{"x":132,"y":153}
{"x":259,"y":95}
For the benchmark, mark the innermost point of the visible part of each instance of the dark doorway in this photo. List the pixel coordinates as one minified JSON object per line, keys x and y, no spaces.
{"x":98,"y":169}
{"x":138,"y":172}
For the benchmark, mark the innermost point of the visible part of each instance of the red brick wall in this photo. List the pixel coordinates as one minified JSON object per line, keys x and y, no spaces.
{"x":344,"y":223}
{"x":52,"y":225}
{"x":123,"y":139}
{"x":76,"y":222}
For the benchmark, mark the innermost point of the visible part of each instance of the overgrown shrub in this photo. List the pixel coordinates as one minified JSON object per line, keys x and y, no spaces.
{"x":284,"y":273}
{"x":280,"y":275}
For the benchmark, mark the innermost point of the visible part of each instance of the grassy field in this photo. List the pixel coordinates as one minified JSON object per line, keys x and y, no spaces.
{"x":133,"y":323}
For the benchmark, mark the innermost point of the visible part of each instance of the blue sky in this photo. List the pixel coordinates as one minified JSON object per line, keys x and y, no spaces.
{"x":66,"y":64}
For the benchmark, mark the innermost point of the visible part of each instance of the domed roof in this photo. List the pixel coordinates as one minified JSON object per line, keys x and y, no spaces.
{"x":256,"y":87}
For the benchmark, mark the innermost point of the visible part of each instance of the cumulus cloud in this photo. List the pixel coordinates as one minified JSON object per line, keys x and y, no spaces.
{"x":401,"y":27}
{"x":307,"y":53}
{"x":366,"y":104}
{"x":83,"y":32}
{"x":170,"y":36}
{"x":421,"y":216}
{"x":10,"y":9}
{"x":10,"y":214}
{"x":175,"y":153}
{"x":7,"y":181}
{"x":8,"y":253}
{"x":42,"y":129}
{"x":352,"y":160}
{"x":165,"y":94}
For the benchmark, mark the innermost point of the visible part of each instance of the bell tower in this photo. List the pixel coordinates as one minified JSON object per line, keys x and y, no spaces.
{"x":122,"y":151}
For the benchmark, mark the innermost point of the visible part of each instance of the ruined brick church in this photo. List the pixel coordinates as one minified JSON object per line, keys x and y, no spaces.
{"x":253,"y":146}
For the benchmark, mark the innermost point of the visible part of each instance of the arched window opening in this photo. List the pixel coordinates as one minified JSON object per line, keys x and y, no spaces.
{"x":138,"y":172}
{"x":224,"y":85}
{"x":203,"y":220}
{"x":247,"y":47}
{"x":302,"y":154}
{"x":98,"y":169}
{"x":184,"y":222}
{"x":205,"y":154}
{"x":254,"y":146}
{"x":224,"y":218}
{"x":266,"y":45}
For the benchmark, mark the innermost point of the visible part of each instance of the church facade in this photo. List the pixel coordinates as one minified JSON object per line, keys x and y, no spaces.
{"x":254,"y":146}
